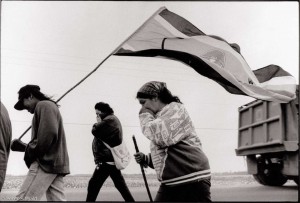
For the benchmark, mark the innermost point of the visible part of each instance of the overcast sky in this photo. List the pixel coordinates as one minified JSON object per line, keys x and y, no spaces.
{"x":56,"y":44}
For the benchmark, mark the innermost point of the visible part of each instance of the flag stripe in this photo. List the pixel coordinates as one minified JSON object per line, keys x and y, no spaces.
{"x":284,"y":80}
{"x":127,"y":46}
{"x":268,"y":72}
{"x":196,"y":63}
{"x":169,"y":35}
{"x":180,"y":23}
{"x":165,"y":24}
{"x":219,"y":54}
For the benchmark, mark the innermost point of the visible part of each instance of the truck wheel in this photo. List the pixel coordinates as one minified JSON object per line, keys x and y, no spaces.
{"x":269,"y":173}
{"x":296,"y":180}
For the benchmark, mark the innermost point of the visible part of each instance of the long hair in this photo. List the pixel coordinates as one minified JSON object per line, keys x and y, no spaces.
{"x":165,"y":96}
{"x":34,"y":90}
{"x":41,"y":96}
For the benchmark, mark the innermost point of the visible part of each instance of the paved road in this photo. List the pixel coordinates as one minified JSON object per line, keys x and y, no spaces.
{"x":253,"y":193}
{"x":256,"y":193}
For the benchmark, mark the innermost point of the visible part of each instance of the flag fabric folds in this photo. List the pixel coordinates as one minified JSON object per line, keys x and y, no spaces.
{"x":168,"y":35}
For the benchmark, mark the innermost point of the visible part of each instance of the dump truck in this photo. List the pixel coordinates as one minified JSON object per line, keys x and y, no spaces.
{"x":268,"y":137}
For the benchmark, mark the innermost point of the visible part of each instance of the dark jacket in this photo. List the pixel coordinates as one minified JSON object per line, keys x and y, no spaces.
{"x":48,"y":142}
{"x":108,"y":130}
{"x":5,"y":137}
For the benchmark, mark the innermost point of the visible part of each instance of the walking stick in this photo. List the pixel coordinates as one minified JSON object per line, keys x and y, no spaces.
{"x":142,"y":169}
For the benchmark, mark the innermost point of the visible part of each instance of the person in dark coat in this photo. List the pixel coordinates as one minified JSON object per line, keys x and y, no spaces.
{"x":5,"y":139}
{"x":108,"y":129}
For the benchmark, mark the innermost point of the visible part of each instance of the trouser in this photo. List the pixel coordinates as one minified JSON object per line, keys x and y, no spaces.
{"x":2,"y":177}
{"x":198,"y":191}
{"x":38,"y":182}
{"x":101,"y":173}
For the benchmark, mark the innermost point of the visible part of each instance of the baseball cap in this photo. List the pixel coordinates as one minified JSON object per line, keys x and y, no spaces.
{"x":25,"y":92}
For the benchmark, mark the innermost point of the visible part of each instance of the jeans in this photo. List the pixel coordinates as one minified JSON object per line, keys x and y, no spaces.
{"x":101,"y":173}
{"x":191,"y":192}
{"x":38,"y":182}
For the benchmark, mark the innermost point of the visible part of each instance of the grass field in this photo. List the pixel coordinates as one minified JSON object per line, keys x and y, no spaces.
{"x":134,"y":180}
{"x":225,"y":186}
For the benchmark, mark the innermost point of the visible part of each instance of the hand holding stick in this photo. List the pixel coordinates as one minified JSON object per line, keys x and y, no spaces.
{"x":142,"y":169}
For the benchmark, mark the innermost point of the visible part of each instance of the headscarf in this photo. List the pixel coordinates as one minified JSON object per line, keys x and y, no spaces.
{"x":152,"y":88}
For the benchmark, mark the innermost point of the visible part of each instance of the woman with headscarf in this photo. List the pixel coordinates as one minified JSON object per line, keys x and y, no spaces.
{"x":176,"y":151}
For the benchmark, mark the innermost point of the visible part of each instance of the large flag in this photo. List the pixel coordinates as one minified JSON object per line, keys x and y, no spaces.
{"x":168,"y":35}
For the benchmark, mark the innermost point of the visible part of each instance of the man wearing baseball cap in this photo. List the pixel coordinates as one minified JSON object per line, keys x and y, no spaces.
{"x":46,"y":155}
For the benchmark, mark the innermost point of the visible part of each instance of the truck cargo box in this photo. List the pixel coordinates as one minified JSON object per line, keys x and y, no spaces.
{"x":267,"y":127}
{"x":268,"y":138}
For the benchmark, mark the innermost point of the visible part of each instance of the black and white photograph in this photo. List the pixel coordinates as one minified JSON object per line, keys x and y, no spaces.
{"x":142,"y":101}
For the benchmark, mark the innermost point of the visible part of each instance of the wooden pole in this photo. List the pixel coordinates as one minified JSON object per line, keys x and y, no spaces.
{"x":142,"y":169}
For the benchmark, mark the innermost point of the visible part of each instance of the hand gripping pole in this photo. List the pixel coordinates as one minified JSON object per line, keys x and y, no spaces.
{"x":142,"y":169}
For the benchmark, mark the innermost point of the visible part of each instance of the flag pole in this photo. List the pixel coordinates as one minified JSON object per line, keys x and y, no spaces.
{"x":95,"y":69}
{"x":139,"y":28}
{"x":72,"y":89}
{"x":159,"y":10}
{"x":142,"y":169}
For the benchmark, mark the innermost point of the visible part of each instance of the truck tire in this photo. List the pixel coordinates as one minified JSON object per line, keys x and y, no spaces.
{"x":296,"y":180}
{"x":269,"y":173}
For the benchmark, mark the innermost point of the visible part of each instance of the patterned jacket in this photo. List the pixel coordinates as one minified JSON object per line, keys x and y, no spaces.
{"x":176,"y":151}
